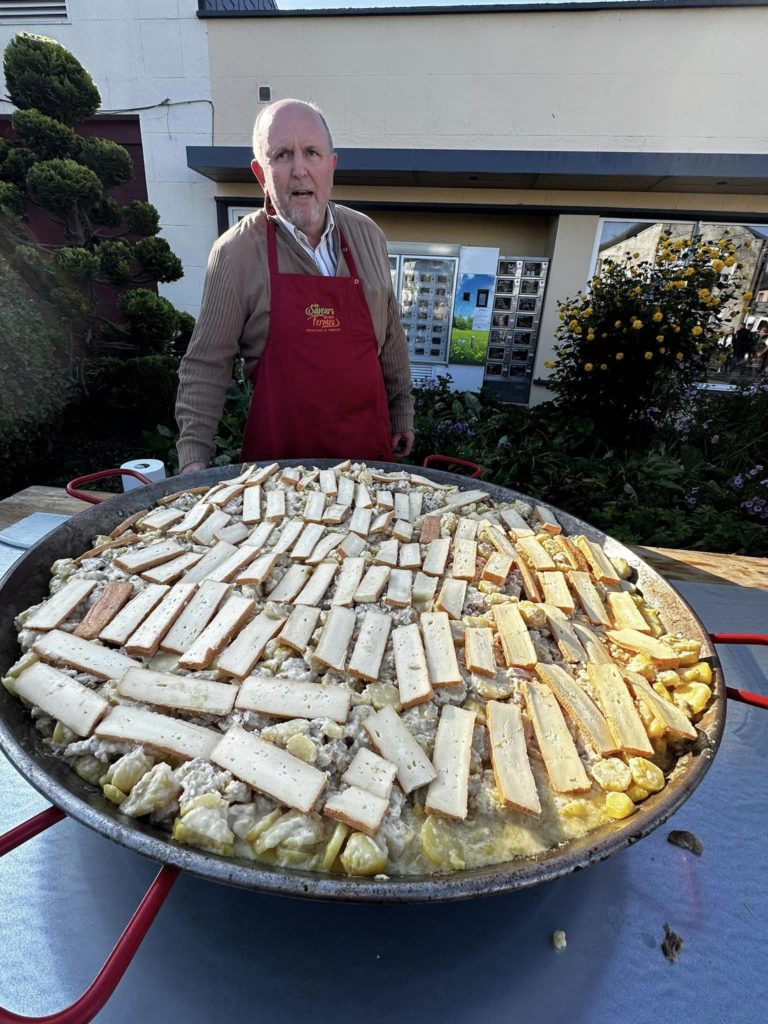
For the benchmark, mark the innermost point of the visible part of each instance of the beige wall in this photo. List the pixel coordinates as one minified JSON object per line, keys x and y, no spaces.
{"x":513,"y":234}
{"x":675,"y":80}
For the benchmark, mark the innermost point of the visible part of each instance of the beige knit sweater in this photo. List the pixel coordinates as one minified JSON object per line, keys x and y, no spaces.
{"x":234,"y":317}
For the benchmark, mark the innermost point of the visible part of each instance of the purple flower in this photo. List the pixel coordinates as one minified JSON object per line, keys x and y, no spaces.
{"x":738,"y":481}
{"x":715,"y":439}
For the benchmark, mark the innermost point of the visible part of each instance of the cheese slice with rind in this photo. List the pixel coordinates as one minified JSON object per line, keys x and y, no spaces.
{"x":239,"y":658}
{"x":146,"y":639}
{"x":76,"y":706}
{"x":370,"y":645}
{"x":357,"y":808}
{"x":114,"y":597}
{"x":269,"y":770}
{"x":298,"y":630}
{"x":129,"y":618}
{"x":136,"y":560}
{"x":675,"y":722}
{"x":195,"y":617}
{"x":348,"y":581}
{"x":331,"y":651}
{"x":84,"y":655}
{"x":228,"y":621}
{"x":411,"y":672}
{"x":436,"y":557}
{"x":59,"y":607}
{"x":561,"y":759}
{"x":589,"y":599}
{"x":478,"y":651}
{"x":509,"y":755}
{"x":625,"y":613}
{"x":447,"y":794}
{"x":619,"y":709}
{"x":397,"y":744}
{"x":290,"y":698}
{"x":515,"y":638}
{"x":632,"y":640}
{"x":442,"y":665}
{"x":580,"y":708}
{"x":182,"y":693}
{"x":126,"y":724}
{"x":451,"y":598}
{"x":371,"y":773}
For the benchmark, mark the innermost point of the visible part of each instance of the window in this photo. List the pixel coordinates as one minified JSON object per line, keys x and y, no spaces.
{"x":32,"y":11}
{"x":427,"y":280}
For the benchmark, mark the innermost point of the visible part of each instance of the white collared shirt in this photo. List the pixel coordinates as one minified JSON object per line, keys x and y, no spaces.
{"x":324,"y":256}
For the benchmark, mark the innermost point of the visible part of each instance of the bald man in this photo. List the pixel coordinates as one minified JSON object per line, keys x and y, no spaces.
{"x":302,"y":290}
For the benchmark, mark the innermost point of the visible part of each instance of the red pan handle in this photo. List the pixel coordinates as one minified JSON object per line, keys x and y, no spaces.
{"x":758,"y":640}
{"x":89,"y":478}
{"x":98,"y":992}
{"x":477,"y":471}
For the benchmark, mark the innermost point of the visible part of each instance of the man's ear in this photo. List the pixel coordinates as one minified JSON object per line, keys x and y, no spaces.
{"x":258,"y":172}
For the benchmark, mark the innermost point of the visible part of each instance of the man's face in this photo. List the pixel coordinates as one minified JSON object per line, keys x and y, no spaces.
{"x":297,"y":169}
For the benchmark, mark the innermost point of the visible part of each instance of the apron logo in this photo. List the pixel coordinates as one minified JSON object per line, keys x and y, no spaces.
{"x":322,"y":318}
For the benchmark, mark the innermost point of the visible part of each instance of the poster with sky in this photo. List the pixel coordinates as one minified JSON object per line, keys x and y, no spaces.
{"x":473,"y":304}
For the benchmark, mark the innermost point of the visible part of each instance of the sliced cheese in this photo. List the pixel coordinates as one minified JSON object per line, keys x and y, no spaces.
{"x":402,"y":531}
{"x":161,"y":519}
{"x":332,"y":649}
{"x":600,"y":566}
{"x":345,"y":494}
{"x":231,"y":567}
{"x":305,"y":545}
{"x":291,"y":476}
{"x":430,"y":529}
{"x":497,"y":568}
{"x":318,"y":583}
{"x":410,"y":556}
{"x":242,"y":654}
{"x":252,"y":504}
{"x":84,"y":655}
{"x":478,"y":651}
{"x":129,"y":618}
{"x":596,"y":651}
{"x":639,"y":643}
{"x":74,"y":705}
{"x":352,"y":546}
{"x":546,"y":519}
{"x":464,"y":559}
{"x":263,"y":473}
{"x":308,"y":478}
{"x":528,"y":580}
{"x":395,"y":742}
{"x":126,"y":724}
{"x":589,"y":599}
{"x":382,"y":523}
{"x":515,"y":639}
{"x":362,"y":497}
{"x":183,"y":693}
{"x":674,"y":720}
{"x":554,"y":588}
{"x":415,"y":502}
{"x":259,"y":570}
{"x":135,"y":561}
{"x":515,"y":523}
{"x":402,"y":506}
{"x":442,"y":665}
{"x":195,"y":617}
{"x":298,"y":630}
{"x":348,"y":581}
{"x":336,"y":514}
{"x":114,"y":596}
{"x":275,"y":510}
{"x":289,"y":698}
{"x":498,"y":539}
{"x":357,"y":808}
{"x":291,"y":583}
{"x":424,"y":589}
{"x":625,"y":613}
{"x":360,"y":523}
{"x":561,"y":629}
{"x":447,"y":794}
{"x":269,"y":770}
{"x":509,"y":756}
{"x":463,"y":498}
{"x":328,"y":482}
{"x":436,"y":557}
{"x":372,"y":586}
{"x":192,"y":519}
{"x":535,"y":555}
{"x":288,"y":536}
{"x":399,"y":590}
{"x":561,"y":759}
{"x":314,"y":507}
{"x":466,"y":529}
{"x":369,"y":648}
{"x":451,"y":598}
{"x":218,"y":554}
{"x":619,"y":709}
{"x":228,"y":621}
{"x":172,"y":571}
{"x":388,"y":553}
{"x":385,"y":500}
{"x":324,"y":547}
{"x":146,"y":639}
{"x":371,"y":773}
{"x":205,"y":533}
{"x":411,"y":673}
{"x":580,"y":708}
{"x":261,"y":535}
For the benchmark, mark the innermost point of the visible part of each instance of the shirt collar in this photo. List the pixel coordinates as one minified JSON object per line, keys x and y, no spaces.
{"x":300,"y":237}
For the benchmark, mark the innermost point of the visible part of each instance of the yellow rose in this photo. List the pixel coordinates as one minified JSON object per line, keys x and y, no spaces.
{"x":696,"y":331}
{"x":713,"y":303}
{"x":548,"y":363}
{"x":573,"y":324}
{"x":703,"y":293}
{"x":729,"y":261}
{"x":718,"y":265}
{"x":636,"y":291}
{"x":587,"y":311}
{"x":659,"y":337}
{"x":590,"y":335}
{"x":617,"y":324}
{"x":619,"y":356}
{"x":658,"y":316}
{"x":596,"y":281}
{"x":677,"y":244}
{"x":676,"y":328}
{"x":679,"y":356}
{"x":637,"y":324}
{"x":747,"y":296}
{"x":689,"y":271}
{"x":588,"y":367}
{"x":662,"y":349}
{"x":603,"y":366}
{"x":649,"y":355}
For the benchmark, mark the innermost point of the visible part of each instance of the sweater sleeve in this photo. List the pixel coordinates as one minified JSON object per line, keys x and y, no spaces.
{"x":206,"y":368}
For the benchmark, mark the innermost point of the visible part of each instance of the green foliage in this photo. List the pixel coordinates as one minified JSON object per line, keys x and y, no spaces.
{"x":141,"y":218}
{"x":41,"y":73}
{"x":58,"y":185}
{"x":183,"y":335}
{"x":151,"y":321}
{"x":698,"y":480}
{"x":468,"y":346}
{"x":158,"y":260}
{"x":106,"y":212}
{"x":141,"y":389}
{"x":36,"y":386}
{"x":14,"y":164}
{"x":109,"y":161}
{"x":77,"y":263}
{"x":11,"y":198}
{"x":115,"y":259}
{"x":645,"y":331}
{"x":43,"y":136}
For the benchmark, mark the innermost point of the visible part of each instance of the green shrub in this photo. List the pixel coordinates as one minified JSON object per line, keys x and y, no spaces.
{"x":157,"y":260}
{"x":43,"y":136}
{"x":141,"y":390}
{"x":141,"y":218}
{"x":57,"y":185}
{"x":108,"y":160}
{"x":150,"y":320}
{"x":41,"y":73}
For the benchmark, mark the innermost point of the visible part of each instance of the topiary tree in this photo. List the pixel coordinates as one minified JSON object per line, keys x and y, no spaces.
{"x":645,"y":332}
{"x":68,"y":176}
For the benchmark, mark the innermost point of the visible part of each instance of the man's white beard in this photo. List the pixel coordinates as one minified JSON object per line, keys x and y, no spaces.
{"x":305,"y":218}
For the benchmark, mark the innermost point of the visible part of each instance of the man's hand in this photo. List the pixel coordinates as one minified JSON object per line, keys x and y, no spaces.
{"x":192,"y":467}
{"x":402,"y":444}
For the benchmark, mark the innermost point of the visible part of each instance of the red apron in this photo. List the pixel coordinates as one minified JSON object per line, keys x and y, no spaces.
{"x":318,"y":389}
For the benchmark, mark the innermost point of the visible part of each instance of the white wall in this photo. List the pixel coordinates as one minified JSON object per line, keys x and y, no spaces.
{"x":139,"y":52}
